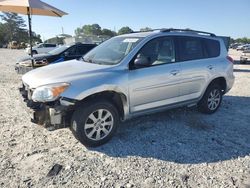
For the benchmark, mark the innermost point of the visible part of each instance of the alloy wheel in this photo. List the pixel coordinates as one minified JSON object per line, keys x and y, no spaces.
{"x":214,"y":99}
{"x":99,"y":124}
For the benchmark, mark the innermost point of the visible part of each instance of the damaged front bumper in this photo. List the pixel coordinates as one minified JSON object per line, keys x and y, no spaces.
{"x":52,"y":115}
{"x":22,"y":69}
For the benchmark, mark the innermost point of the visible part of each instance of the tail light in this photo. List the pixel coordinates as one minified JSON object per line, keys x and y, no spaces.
{"x":230,"y":59}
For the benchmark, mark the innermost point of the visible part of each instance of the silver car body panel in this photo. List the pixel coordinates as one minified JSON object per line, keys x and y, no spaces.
{"x":142,"y":90}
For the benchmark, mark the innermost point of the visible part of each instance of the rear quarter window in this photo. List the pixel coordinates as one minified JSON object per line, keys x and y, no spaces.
{"x":212,"y":48}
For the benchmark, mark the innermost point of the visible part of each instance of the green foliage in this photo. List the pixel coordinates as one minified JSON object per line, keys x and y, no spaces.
{"x":145,"y":29}
{"x":107,"y":32}
{"x":243,"y":40}
{"x":125,"y":30}
{"x":14,"y":26}
{"x":94,"y":30}
{"x":14,"y":29}
{"x":3,"y":39}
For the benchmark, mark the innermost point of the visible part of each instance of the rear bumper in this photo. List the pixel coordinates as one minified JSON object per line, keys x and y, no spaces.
{"x":51,"y":116}
{"x":230,"y":83}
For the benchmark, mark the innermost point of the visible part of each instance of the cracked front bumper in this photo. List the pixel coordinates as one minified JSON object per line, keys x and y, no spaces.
{"x":52,"y":115}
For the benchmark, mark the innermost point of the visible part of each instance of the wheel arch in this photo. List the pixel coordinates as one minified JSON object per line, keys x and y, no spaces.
{"x":221,"y":81}
{"x":118,"y":98}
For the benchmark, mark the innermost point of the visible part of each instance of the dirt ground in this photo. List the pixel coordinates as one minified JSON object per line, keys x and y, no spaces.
{"x":175,"y":148}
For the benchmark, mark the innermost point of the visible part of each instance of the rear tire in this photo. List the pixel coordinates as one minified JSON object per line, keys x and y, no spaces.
{"x":211,"y":100}
{"x":95,"y":122}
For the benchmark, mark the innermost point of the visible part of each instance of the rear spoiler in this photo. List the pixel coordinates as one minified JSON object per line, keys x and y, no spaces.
{"x":226,"y":41}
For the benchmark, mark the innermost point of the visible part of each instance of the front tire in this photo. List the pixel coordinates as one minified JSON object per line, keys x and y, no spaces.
{"x":211,"y":100}
{"x":94,"y":123}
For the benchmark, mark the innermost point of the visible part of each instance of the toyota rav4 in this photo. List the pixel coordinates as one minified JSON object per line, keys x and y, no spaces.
{"x":127,"y":76}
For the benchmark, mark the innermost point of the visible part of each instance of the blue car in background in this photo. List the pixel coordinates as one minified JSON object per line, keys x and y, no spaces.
{"x":60,"y":54}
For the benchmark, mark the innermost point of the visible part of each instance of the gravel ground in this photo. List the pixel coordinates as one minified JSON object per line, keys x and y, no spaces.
{"x":175,"y":148}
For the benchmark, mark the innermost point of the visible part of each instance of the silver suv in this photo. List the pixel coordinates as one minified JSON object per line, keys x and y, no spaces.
{"x":126,"y":76}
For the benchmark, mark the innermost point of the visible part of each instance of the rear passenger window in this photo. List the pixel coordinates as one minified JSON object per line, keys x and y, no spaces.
{"x":212,"y":48}
{"x":190,"y":48}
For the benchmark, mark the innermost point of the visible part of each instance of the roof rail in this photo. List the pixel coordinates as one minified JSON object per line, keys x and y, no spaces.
{"x":150,"y":30}
{"x":188,"y":30}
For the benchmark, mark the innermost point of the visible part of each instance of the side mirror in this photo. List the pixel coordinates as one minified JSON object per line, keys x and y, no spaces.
{"x":141,"y":61}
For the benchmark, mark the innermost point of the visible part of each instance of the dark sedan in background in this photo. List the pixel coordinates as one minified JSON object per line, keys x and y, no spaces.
{"x":60,"y":54}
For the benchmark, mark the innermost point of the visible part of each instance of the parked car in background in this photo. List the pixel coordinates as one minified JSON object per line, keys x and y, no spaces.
{"x":127,"y":76}
{"x":245,"y":56}
{"x":246,"y":47}
{"x":41,"y":48}
{"x":235,"y":45}
{"x":63,"y":53}
{"x":243,"y":47}
{"x":13,"y":45}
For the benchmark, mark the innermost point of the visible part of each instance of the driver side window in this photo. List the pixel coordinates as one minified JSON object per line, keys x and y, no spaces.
{"x":71,"y":51}
{"x":155,"y":52}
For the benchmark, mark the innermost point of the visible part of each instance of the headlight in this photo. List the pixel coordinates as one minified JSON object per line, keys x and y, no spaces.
{"x":42,"y":62}
{"x":49,"y":93}
{"x":26,"y":63}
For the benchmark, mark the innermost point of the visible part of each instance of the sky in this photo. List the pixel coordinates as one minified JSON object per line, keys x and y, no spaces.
{"x":222,"y":17}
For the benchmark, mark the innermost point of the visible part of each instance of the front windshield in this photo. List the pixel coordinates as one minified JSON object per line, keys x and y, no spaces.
{"x":112,"y":51}
{"x":59,"y":50}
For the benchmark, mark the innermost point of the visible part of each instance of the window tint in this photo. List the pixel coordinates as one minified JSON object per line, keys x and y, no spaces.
{"x":72,"y":51}
{"x":158,"y":51}
{"x":83,"y":49}
{"x":49,"y":45}
{"x":212,"y":48}
{"x":41,"y":46}
{"x":190,"y":48}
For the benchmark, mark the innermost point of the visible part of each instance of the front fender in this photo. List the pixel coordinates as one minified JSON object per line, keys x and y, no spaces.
{"x":123,"y":92}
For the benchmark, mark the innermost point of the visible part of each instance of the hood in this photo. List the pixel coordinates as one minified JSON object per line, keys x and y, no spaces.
{"x":36,"y":57}
{"x":63,"y":72}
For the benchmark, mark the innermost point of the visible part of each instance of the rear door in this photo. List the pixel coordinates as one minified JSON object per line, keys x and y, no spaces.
{"x":197,"y":59}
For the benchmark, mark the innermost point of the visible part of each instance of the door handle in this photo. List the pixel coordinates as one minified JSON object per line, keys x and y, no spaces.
{"x":210,"y":67}
{"x":174,"y":72}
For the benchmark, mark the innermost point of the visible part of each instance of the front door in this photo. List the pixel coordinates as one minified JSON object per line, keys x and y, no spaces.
{"x":156,"y":83}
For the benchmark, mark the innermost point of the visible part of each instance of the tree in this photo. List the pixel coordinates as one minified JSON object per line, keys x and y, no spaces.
{"x":108,"y":32}
{"x":145,"y":29}
{"x":14,"y":29}
{"x":96,"y":29}
{"x":78,"y":31}
{"x":14,"y":25}
{"x":125,"y":30}
{"x":93,"y":29}
{"x":2,"y":33}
